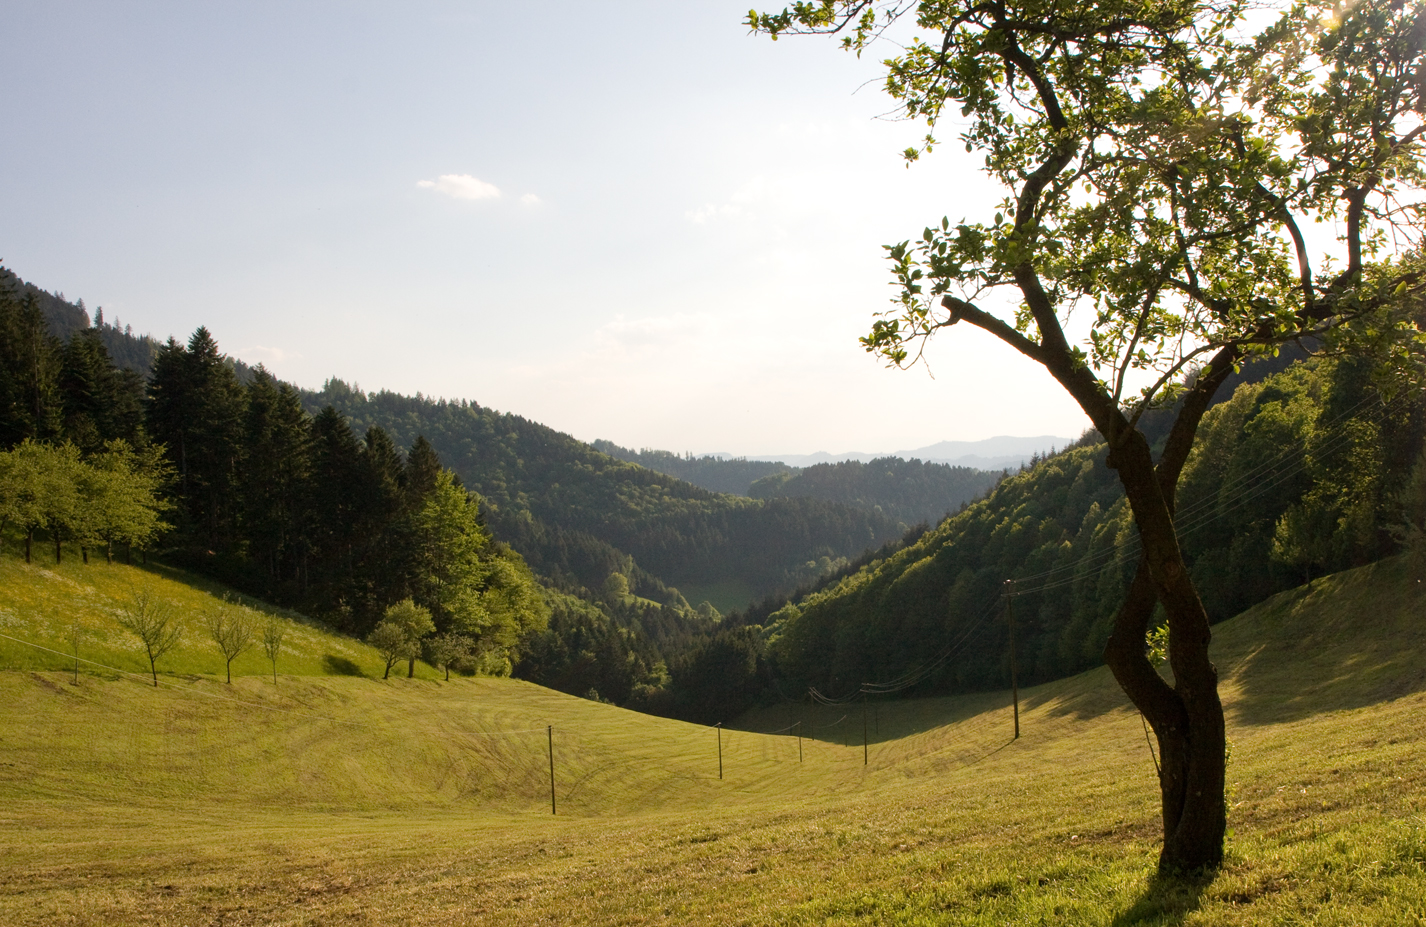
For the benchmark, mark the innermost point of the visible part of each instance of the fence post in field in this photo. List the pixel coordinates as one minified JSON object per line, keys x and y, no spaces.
{"x":1014,"y":682}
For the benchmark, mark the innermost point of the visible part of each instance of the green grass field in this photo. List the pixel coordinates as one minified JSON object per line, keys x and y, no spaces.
{"x":331,"y":798}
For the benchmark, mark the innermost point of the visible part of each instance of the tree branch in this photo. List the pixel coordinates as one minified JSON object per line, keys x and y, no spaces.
{"x":960,"y":309}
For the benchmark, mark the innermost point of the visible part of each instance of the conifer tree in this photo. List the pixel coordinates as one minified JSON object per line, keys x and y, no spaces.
{"x":336,"y":469}
{"x":29,"y":368}
{"x":195,"y":410}
{"x":100,"y":402}
{"x":423,"y":466}
{"x":275,"y":477}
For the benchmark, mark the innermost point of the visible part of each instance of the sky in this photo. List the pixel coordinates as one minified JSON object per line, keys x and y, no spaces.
{"x":626,"y":220}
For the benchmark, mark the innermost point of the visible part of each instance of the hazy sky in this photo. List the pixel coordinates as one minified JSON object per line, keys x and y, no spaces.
{"x":626,"y":220}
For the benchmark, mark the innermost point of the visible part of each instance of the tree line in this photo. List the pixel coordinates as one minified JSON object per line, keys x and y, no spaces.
{"x":242,"y":484}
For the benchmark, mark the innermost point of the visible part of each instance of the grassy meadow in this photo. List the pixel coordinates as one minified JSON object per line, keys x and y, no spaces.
{"x":334,"y":797}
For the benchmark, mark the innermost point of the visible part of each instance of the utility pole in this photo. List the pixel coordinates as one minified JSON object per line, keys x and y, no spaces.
{"x":1014,"y":681}
{"x":719,"y":726}
{"x":550,"y":730}
{"x":799,"y":741}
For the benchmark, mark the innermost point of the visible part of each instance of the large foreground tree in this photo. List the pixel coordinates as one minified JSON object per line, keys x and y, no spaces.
{"x":1163,"y":171}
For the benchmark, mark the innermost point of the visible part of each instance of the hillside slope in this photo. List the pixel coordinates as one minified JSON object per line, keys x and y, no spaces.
{"x":356,"y":801}
{"x":574,"y":512}
{"x":718,"y":474}
{"x":911,"y":491}
{"x":1297,"y":474}
{"x":42,"y":604}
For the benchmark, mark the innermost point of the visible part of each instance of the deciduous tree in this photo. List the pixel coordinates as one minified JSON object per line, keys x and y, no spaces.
{"x":449,"y":649}
{"x":154,"y":622}
{"x":1160,"y":167}
{"x":399,"y":634}
{"x":273,"y":633}
{"x":230,"y":628}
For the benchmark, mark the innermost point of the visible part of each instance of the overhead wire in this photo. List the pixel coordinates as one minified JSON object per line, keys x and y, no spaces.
{"x":1208,"y":509}
{"x":1239,"y":488}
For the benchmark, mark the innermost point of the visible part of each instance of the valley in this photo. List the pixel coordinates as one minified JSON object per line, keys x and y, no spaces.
{"x":329,"y":799}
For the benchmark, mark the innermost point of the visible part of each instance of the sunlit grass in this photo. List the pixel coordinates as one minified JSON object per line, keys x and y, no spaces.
{"x":42,"y":603}
{"x":351,"y":800}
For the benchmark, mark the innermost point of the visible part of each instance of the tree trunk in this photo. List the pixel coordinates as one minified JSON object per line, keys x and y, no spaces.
{"x":1188,"y":717}
{"x":56,"y":546}
{"x":29,"y":543}
{"x":411,"y":669}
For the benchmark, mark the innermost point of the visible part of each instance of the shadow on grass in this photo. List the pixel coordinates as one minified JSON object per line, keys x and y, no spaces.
{"x":1166,"y":901}
{"x":341,"y":666}
{"x":1351,"y":640}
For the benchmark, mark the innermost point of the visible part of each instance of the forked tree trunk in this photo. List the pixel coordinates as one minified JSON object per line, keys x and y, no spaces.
{"x":1187,"y":717}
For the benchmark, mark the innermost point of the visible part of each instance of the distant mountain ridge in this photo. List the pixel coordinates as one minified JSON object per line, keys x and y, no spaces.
{"x":997,"y":453}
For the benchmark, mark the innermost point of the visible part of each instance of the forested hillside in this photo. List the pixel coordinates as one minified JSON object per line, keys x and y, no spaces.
{"x":235,"y":480}
{"x":334,"y":502}
{"x":720,"y":474}
{"x":578,"y":514}
{"x":908,"y":490}
{"x":1306,"y":472}
{"x":329,"y":508}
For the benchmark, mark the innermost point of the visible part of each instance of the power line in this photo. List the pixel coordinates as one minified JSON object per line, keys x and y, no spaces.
{"x":1242,"y":489}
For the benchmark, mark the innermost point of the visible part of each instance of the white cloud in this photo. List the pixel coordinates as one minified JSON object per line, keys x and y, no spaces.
{"x":531,"y":200}
{"x":260,"y":354}
{"x":461,"y":186}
